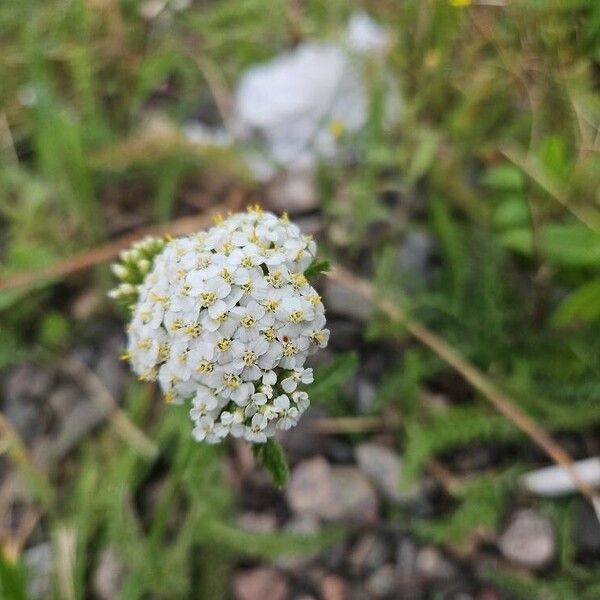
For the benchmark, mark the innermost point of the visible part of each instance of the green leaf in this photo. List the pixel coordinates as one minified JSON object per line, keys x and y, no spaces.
{"x":511,"y":212}
{"x":12,"y":580}
{"x":272,"y":457}
{"x":565,"y":245}
{"x":582,"y":305}
{"x":503,"y":177}
{"x":553,"y":156}
{"x":317,"y":267}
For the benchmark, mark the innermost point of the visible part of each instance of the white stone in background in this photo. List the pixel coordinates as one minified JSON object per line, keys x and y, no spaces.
{"x":555,"y":481}
{"x":529,"y":539}
{"x":293,"y":191}
{"x":384,"y":467}
{"x":298,"y":102}
{"x":329,"y":493}
{"x":291,"y":110}
{"x":366,"y":35}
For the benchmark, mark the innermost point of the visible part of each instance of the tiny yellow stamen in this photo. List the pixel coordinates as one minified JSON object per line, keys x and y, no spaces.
{"x":249,"y":357}
{"x":193,"y":330}
{"x":231,"y":381}
{"x":314,"y":298}
{"x":247,"y":262}
{"x":271,"y":305}
{"x":317,"y":337}
{"x":218,"y":219}
{"x":297,"y":316}
{"x":248,"y":321}
{"x":298,"y":280}
{"x":224,"y":344}
{"x":270,"y":334}
{"x":255,"y":209}
{"x":337,"y":128}
{"x":208,"y":298}
{"x":205,"y":367}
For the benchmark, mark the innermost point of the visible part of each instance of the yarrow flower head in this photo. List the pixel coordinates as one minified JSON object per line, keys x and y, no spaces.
{"x":224,"y":319}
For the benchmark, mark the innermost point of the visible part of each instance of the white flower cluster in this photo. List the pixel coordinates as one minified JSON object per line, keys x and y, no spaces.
{"x":135,"y":264}
{"x":226,"y":319}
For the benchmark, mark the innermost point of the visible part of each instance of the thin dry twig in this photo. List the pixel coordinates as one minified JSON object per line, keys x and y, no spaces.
{"x":100,"y":394}
{"x":336,"y":425}
{"x":13,"y":545}
{"x":109,"y":251}
{"x":218,"y":87}
{"x":501,"y":401}
{"x":20,"y":456}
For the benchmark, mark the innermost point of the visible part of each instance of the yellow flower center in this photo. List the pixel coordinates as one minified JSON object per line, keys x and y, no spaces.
{"x":205,"y":366}
{"x":271,"y":305}
{"x":224,"y":344}
{"x":231,"y":381}
{"x":164,"y":351}
{"x":317,"y":337}
{"x":177,"y":324}
{"x":208,"y":298}
{"x":249,"y":357}
{"x":298,"y":280}
{"x":270,"y":334}
{"x":275,"y":279}
{"x":314,"y":298}
{"x":145,"y":344}
{"x":289,"y":349}
{"x":296,"y":316}
{"x":247,"y":262}
{"x":193,"y":329}
{"x":248,"y":321}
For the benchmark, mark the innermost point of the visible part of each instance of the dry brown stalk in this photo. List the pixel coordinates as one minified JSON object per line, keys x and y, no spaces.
{"x":109,"y":251}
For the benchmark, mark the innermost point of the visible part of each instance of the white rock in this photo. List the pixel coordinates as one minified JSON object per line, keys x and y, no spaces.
{"x":555,"y":481}
{"x":296,"y":101}
{"x":317,"y":489}
{"x":529,"y":539}
{"x":384,"y":469}
{"x":366,"y":35}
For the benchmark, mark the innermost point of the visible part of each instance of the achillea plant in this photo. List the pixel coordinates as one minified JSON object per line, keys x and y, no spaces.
{"x":225,"y":319}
